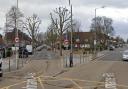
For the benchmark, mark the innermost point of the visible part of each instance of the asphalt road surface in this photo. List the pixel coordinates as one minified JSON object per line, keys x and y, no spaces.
{"x":119,"y":67}
{"x":85,"y":76}
{"x":115,"y":55}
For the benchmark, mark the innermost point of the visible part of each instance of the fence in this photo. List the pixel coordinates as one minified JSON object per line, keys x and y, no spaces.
{"x":77,"y":59}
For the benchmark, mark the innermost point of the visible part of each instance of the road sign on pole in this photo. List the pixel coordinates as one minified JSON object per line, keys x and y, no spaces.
{"x":66,"y":41}
{"x":17,"y":39}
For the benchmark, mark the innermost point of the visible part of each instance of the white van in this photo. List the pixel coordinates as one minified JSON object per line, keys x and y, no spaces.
{"x":29,"y":48}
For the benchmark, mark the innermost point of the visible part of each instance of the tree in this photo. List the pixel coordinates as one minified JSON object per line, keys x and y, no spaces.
{"x":103,"y":28}
{"x":14,"y":19}
{"x":76,"y":26}
{"x":102,"y":25}
{"x":61,"y":20}
{"x":51,"y":35}
{"x":32,"y":25}
{"x":40,"y":37}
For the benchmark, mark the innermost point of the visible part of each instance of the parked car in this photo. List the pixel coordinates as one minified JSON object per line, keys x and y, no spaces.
{"x":23,"y":52}
{"x":49,"y":48}
{"x":111,"y":47}
{"x":121,"y":45}
{"x":125,"y":55}
{"x":116,"y":46}
{"x":30,"y":49}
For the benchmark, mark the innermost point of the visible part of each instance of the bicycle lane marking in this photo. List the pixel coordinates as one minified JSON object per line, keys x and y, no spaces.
{"x":76,"y":84}
{"x":41,"y":84}
{"x":7,"y":87}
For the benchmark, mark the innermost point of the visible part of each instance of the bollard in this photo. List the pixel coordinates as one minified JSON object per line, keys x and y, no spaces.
{"x":66,"y":60}
{"x":80,"y":59}
{"x":83,"y":58}
{"x":1,"y":73}
{"x":71,"y":60}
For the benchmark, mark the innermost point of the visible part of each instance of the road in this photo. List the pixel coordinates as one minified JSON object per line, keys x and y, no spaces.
{"x":119,"y":67}
{"x":50,"y":75}
{"x":115,"y":55}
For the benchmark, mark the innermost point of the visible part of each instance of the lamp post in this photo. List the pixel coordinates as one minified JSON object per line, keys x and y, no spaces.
{"x":16,"y":37}
{"x":95,"y":37}
{"x":71,"y":53}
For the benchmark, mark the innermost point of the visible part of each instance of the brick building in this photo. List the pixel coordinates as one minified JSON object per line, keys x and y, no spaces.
{"x":23,"y":37}
{"x":86,"y":39}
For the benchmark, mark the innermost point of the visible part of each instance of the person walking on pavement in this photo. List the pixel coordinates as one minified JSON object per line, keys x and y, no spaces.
{"x":71,"y":60}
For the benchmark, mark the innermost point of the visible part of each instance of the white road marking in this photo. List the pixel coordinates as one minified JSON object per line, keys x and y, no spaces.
{"x":110,"y":81}
{"x":31,"y":82}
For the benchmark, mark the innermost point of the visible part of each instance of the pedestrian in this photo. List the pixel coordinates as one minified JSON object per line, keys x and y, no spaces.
{"x":71,"y":60}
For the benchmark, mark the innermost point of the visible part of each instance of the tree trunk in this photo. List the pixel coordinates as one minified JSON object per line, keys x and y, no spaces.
{"x":33,"y":44}
{"x":61,"y":43}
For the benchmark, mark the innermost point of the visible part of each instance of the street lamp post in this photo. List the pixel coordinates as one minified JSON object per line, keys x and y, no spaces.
{"x":95,"y":33}
{"x":71,"y":53}
{"x":16,"y":36}
{"x":71,"y":32}
{"x":95,"y":37}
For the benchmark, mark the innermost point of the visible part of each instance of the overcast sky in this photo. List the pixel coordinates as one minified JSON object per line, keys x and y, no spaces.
{"x":83,"y":10}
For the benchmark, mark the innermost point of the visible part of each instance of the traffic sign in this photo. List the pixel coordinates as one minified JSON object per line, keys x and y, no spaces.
{"x":17,"y":39}
{"x":66,"y":41}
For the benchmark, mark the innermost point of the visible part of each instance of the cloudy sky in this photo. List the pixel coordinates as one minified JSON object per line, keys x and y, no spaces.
{"x":83,"y":10}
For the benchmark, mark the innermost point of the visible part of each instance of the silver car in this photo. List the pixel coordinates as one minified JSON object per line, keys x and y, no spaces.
{"x":125,"y":55}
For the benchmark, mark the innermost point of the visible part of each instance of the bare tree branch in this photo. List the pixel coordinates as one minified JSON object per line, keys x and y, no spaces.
{"x":59,"y":20}
{"x":32,"y":25}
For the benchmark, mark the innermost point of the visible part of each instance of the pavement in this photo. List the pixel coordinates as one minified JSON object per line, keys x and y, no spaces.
{"x":10,"y":63}
{"x":79,"y":59}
